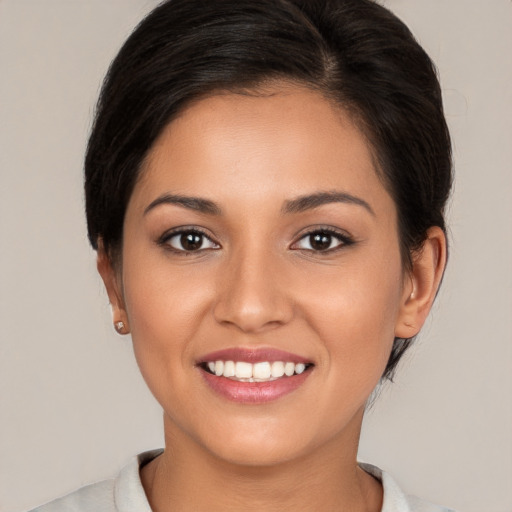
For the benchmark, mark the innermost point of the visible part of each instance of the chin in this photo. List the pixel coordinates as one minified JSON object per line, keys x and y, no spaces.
{"x":271,"y":441}
{"x":251,"y":454}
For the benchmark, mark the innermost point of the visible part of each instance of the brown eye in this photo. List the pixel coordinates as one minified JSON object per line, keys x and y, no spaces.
{"x":322,"y":241}
{"x":190,"y":241}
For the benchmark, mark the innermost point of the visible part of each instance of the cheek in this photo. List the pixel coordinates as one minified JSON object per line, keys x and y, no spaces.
{"x":159,"y":295}
{"x":164,"y":311}
{"x":354,"y":313}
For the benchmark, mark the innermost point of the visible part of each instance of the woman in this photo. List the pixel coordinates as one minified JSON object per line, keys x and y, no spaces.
{"x":265,"y":188}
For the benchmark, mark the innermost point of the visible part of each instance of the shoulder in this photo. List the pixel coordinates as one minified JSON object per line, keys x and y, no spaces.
{"x":96,"y":497}
{"x":122,"y":494}
{"x":395,"y":500}
{"x":419,"y":505}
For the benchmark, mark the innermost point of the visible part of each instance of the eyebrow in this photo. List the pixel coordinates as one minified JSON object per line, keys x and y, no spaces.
{"x":192,"y":203}
{"x":308,"y":202}
{"x":298,"y":205}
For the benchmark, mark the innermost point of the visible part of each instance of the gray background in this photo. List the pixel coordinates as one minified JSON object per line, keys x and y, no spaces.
{"x":73,"y":407}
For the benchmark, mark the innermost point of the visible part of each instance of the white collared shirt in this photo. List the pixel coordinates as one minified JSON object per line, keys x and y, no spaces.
{"x":126,"y":494}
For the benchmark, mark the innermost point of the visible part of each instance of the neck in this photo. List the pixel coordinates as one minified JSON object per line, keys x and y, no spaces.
{"x":188,"y":478}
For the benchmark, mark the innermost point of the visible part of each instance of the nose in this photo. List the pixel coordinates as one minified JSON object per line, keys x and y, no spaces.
{"x":252,"y":295}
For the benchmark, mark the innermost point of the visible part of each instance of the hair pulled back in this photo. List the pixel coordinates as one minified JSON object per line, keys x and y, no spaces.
{"x":354,"y":52}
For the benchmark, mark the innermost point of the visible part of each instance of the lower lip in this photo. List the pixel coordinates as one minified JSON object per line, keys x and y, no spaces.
{"x":254,"y":392}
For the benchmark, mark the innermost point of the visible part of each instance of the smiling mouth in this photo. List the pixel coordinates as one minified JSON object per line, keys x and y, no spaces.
{"x":263,"y":371}
{"x":249,"y":376}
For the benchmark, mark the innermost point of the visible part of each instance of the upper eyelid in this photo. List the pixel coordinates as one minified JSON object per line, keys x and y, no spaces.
{"x":324,"y":229}
{"x":185,"y":229}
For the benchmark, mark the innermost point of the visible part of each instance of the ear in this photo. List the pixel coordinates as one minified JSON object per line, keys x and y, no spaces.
{"x":112,"y":282}
{"x":422,"y":283}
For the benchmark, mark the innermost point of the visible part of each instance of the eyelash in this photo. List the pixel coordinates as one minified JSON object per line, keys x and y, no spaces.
{"x":343,"y":239}
{"x":164,"y":240}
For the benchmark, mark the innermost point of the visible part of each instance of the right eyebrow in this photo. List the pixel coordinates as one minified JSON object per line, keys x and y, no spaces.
{"x":308,"y":202}
{"x":192,"y":203}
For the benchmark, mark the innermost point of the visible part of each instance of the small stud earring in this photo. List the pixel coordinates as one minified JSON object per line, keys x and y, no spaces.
{"x":119,"y":327}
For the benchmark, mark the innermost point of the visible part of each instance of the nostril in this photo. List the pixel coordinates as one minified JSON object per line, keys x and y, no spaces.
{"x":251,"y":295}
{"x":254,"y":316}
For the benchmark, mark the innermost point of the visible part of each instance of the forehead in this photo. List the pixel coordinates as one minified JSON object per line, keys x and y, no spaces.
{"x":279,"y":143}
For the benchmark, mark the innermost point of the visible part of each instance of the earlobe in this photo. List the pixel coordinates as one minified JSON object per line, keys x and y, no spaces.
{"x":114,"y":290}
{"x":428,"y":266}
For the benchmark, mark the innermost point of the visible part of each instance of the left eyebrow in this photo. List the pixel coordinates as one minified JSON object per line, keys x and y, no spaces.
{"x":192,"y":203}
{"x":308,"y":202}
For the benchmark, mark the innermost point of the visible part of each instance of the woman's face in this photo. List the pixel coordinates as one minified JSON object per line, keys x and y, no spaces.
{"x":261,"y":233}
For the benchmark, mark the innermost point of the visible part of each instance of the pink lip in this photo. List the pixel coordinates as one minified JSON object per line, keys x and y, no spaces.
{"x":254,"y":392}
{"x":253,"y":355}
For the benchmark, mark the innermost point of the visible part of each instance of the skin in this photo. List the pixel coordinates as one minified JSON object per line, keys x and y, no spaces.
{"x":259,"y":283}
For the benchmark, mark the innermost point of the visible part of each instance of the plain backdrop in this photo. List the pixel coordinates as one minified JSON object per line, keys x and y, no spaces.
{"x":73,"y":408}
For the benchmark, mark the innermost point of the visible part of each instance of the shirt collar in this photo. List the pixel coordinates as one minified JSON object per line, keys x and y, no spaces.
{"x":129,"y":495}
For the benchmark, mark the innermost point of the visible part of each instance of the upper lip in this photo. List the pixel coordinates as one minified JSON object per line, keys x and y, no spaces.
{"x":253,"y":355}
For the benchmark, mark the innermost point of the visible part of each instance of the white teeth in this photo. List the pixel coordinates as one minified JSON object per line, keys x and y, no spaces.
{"x":277,"y":369}
{"x":261,"y":371}
{"x":299,"y":368}
{"x":229,"y":369}
{"x":289,"y":369}
{"x":258,"y":372}
{"x":243,"y":370}
{"x":219,"y":368}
